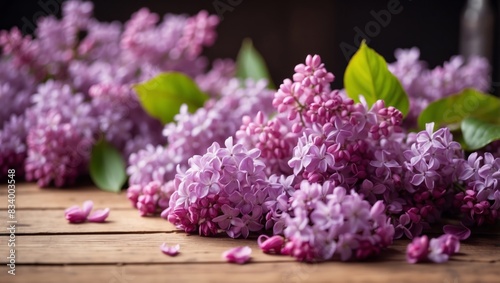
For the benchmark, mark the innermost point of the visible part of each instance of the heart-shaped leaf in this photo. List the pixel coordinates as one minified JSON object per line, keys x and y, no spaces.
{"x":107,"y":167}
{"x":451,"y":110}
{"x":479,"y":133}
{"x":163,"y":95}
{"x":367,"y":74}
{"x":250,"y":64}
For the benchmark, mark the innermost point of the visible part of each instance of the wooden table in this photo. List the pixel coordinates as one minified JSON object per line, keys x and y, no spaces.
{"x":126,"y":249}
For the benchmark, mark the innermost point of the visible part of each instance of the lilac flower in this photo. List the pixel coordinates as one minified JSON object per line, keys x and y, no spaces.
{"x":234,"y":198}
{"x":239,"y":255}
{"x":170,"y":250}
{"x":76,"y":214}
{"x":13,"y":150}
{"x":438,"y":250}
{"x":58,"y":145}
{"x":418,"y":249}
{"x":340,"y":224}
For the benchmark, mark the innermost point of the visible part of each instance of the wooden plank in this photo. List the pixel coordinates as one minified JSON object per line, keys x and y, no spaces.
{"x":125,"y":248}
{"x":28,"y":196}
{"x":144,"y":248}
{"x":451,"y":272}
{"x":53,"y":222}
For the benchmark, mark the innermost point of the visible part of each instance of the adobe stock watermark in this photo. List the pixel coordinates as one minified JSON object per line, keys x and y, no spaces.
{"x":373,"y":28}
{"x":223,"y":6}
{"x":47,"y":7}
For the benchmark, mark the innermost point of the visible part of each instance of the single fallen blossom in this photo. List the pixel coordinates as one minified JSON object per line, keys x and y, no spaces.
{"x":76,"y":214}
{"x":99,"y":216}
{"x":437,"y":250}
{"x":170,"y":250}
{"x":239,"y":255}
{"x":418,"y":249}
{"x":271,"y":245}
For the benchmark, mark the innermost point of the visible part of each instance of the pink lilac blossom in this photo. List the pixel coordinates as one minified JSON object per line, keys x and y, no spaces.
{"x":222,"y":190}
{"x":76,"y":214}
{"x":436,"y":250}
{"x":13,"y":149}
{"x":328,"y":222}
{"x":479,"y":201}
{"x":59,"y":144}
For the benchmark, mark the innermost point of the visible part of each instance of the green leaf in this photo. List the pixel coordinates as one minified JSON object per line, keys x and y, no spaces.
{"x":451,"y":110}
{"x":367,"y":74}
{"x":250,"y":64}
{"x":479,"y":133}
{"x":107,"y":167}
{"x":163,"y":95}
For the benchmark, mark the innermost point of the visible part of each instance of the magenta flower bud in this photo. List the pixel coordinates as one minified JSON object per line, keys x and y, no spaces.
{"x":239,"y":255}
{"x":170,"y":250}
{"x":271,"y":245}
{"x":417,"y":250}
{"x":99,"y":216}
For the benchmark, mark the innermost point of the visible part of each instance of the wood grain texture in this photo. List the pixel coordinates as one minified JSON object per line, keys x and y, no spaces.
{"x":275,"y":272}
{"x":29,"y":196}
{"x":37,"y":221}
{"x":126,"y":249}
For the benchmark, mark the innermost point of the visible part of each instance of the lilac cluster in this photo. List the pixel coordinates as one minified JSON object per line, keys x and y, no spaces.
{"x":479,"y":200}
{"x":99,"y":62}
{"x":424,"y":85}
{"x":437,"y":250}
{"x":417,"y":179}
{"x":222,"y":190}
{"x":192,"y":133}
{"x":58,"y":146}
{"x":151,"y":198}
{"x":328,"y":222}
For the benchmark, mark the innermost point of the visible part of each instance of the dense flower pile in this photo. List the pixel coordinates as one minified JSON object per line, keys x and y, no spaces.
{"x":335,"y":178}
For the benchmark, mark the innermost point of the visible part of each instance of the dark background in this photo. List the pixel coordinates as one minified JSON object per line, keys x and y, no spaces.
{"x":286,"y":31}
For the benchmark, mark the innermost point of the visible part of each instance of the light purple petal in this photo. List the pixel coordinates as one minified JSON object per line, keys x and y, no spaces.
{"x":170,"y":250}
{"x":272,"y":244}
{"x":459,"y":231}
{"x":99,"y":215}
{"x":75,"y":215}
{"x":87,"y":207}
{"x":239,"y":255}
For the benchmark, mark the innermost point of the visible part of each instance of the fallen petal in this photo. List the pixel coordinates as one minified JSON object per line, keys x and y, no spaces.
{"x":99,"y":215}
{"x":238,"y":255}
{"x":75,"y":215}
{"x":272,"y":244}
{"x":71,"y":208}
{"x":170,"y":250}
{"x":459,"y":231}
{"x":87,"y":207}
